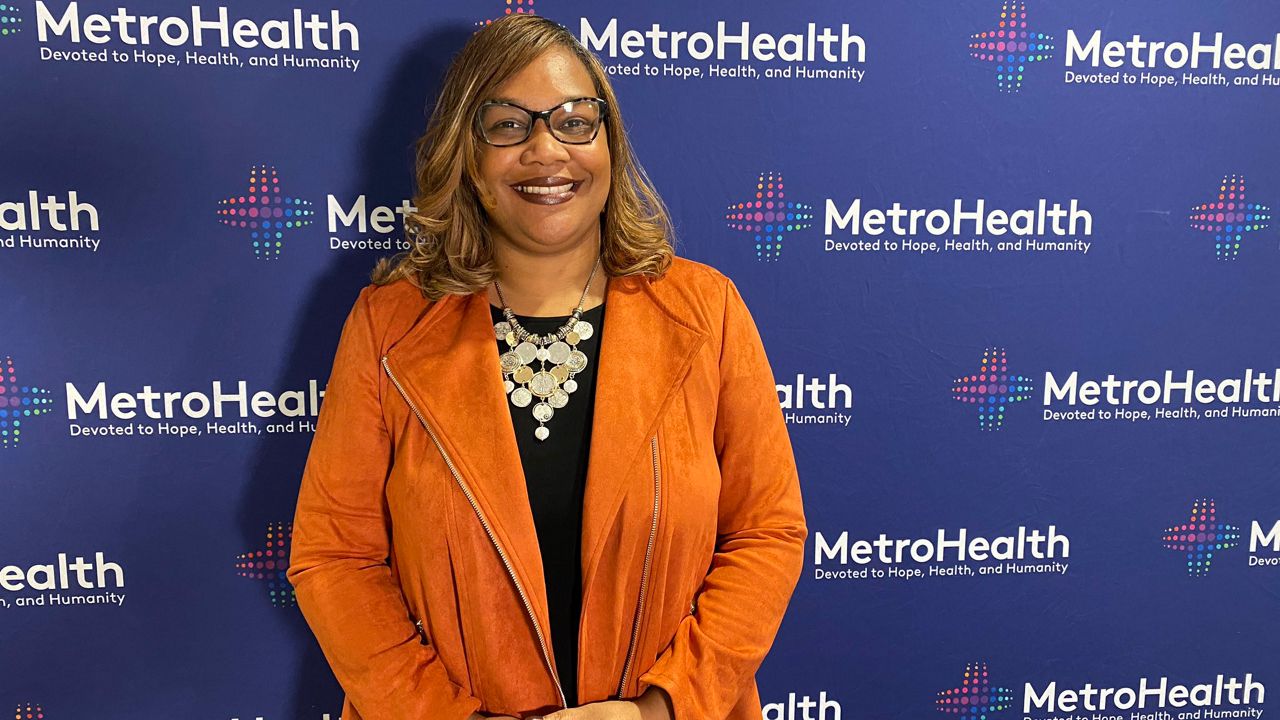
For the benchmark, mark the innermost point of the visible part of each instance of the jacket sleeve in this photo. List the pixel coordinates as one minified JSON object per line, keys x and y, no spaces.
{"x":760,"y":540}
{"x":339,"y":558}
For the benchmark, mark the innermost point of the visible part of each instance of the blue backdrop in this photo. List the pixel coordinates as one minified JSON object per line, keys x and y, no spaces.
{"x":1002,"y":237}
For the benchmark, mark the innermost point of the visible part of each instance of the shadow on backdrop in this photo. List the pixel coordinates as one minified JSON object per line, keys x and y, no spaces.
{"x":385,"y":177}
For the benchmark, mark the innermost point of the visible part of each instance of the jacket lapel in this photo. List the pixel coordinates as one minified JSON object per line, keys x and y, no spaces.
{"x":448,"y":366}
{"x":645,"y":353}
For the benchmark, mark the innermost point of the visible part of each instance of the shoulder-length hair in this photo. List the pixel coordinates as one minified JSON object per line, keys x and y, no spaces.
{"x":451,"y":252}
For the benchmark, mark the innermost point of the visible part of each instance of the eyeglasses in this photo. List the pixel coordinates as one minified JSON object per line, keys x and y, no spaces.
{"x":575,"y":122}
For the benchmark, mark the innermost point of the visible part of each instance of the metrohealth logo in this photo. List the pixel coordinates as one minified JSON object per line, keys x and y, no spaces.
{"x":992,"y":389}
{"x":18,"y":403}
{"x":768,"y":216}
{"x":975,"y":698}
{"x":1230,"y":217}
{"x":271,"y":564}
{"x":1011,"y":46}
{"x":265,"y":212}
{"x":1201,"y":536}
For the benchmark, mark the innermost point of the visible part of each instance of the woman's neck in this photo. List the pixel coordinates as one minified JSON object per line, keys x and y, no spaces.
{"x":547,"y":284}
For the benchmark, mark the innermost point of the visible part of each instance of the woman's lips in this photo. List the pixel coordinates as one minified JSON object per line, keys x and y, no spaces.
{"x":543,"y":194}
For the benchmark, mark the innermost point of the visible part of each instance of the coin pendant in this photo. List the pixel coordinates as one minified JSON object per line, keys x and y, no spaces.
{"x":523,"y":374}
{"x":570,"y":385}
{"x":542,"y":412}
{"x":509,"y":361}
{"x":559,"y":398}
{"x":508,"y":386}
{"x":521,"y":397}
{"x":511,"y":339}
{"x":576,"y":361}
{"x":560,"y":372}
{"x":527,"y":352}
{"x":543,"y":384}
{"x":572,"y":338}
{"x":543,"y":354}
{"x":558,"y":352}
{"x":541,"y":432}
{"x":501,"y":329}
{"x":584,"y":329}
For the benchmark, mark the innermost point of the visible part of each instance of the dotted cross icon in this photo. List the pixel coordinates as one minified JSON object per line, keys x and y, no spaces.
{"x":1230,"y":217}
{"x":265,"y":212}
{"x":992,"y":388}
{"x":510,"y":7}
{"x":1201,"y":536}
{"x":768,"y":216}
{"x":17,"y":403}
{"x":1010,"y":46}
{"x":976,"y":698}
{"x":10,"y":20}
{"x":29,"y":711}
{"x":270,"y":564}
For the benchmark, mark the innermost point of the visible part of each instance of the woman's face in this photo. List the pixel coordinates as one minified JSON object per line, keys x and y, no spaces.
{"x":537,"y":221}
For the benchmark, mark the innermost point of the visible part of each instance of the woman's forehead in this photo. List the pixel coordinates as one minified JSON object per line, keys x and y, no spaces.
{"x":549,"y":80}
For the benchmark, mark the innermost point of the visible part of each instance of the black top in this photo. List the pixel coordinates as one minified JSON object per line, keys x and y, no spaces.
{"x":555,"y":472}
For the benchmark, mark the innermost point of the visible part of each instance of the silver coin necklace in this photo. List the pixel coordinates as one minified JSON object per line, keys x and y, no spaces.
{"x":556,"y":355}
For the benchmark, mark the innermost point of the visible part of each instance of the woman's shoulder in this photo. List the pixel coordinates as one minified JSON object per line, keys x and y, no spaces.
{"x":693,"y":280}
{"x":394,"y":298}
{"x":696,"y":293}
{"x":392,"y":308}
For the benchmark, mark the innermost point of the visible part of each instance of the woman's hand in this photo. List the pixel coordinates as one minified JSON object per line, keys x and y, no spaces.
{"x":654,"y":704}
{"x":609,"y":710}
{"x":478,"y":716}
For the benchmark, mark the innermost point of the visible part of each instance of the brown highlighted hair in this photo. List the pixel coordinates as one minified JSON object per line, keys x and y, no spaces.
{"x":452,"y":251}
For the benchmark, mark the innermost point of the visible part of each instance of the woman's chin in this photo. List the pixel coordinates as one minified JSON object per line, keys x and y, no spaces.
{"x":549,"y":234}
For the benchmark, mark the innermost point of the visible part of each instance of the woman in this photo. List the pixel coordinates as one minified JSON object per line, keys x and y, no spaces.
{"x":574,"y":523}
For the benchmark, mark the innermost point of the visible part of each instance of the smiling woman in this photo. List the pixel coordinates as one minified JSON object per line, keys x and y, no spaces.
{"x":545,"y":183}
{"x":467,"y":182}
{"x":591,"y":521}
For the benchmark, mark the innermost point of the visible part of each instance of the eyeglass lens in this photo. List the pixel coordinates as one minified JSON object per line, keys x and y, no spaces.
{"x":572,"y":122}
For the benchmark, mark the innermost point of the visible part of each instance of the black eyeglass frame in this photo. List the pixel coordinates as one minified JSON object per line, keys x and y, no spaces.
{"x":545,"y":116}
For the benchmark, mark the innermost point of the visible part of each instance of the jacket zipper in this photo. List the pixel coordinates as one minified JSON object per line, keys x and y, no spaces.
{"x":484,"y":522}
{"x":644,"y":576}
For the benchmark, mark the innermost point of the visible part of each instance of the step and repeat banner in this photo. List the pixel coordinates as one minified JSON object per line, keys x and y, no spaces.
{"x":1014,"y":263}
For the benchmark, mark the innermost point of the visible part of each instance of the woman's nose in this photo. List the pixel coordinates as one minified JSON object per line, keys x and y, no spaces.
{"x":542,"y":146}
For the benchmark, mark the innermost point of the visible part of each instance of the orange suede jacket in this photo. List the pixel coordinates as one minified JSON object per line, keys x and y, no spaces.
{"x":415,"y":558}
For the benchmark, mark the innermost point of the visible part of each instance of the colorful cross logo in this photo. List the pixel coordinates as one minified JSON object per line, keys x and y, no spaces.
{"x":992,"y":389}
{"x":1201,"y":536}
{"x":976,"y":698}
{"x":17,"y":403}
{"x":270,"y":564}
{"x":1229,"y":217}
{"x":10,"y":20}
{"x":769,"y":216}
{"x":265,"y":212}
{"x":511,"y":7}
{"x":1011,"y":46}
